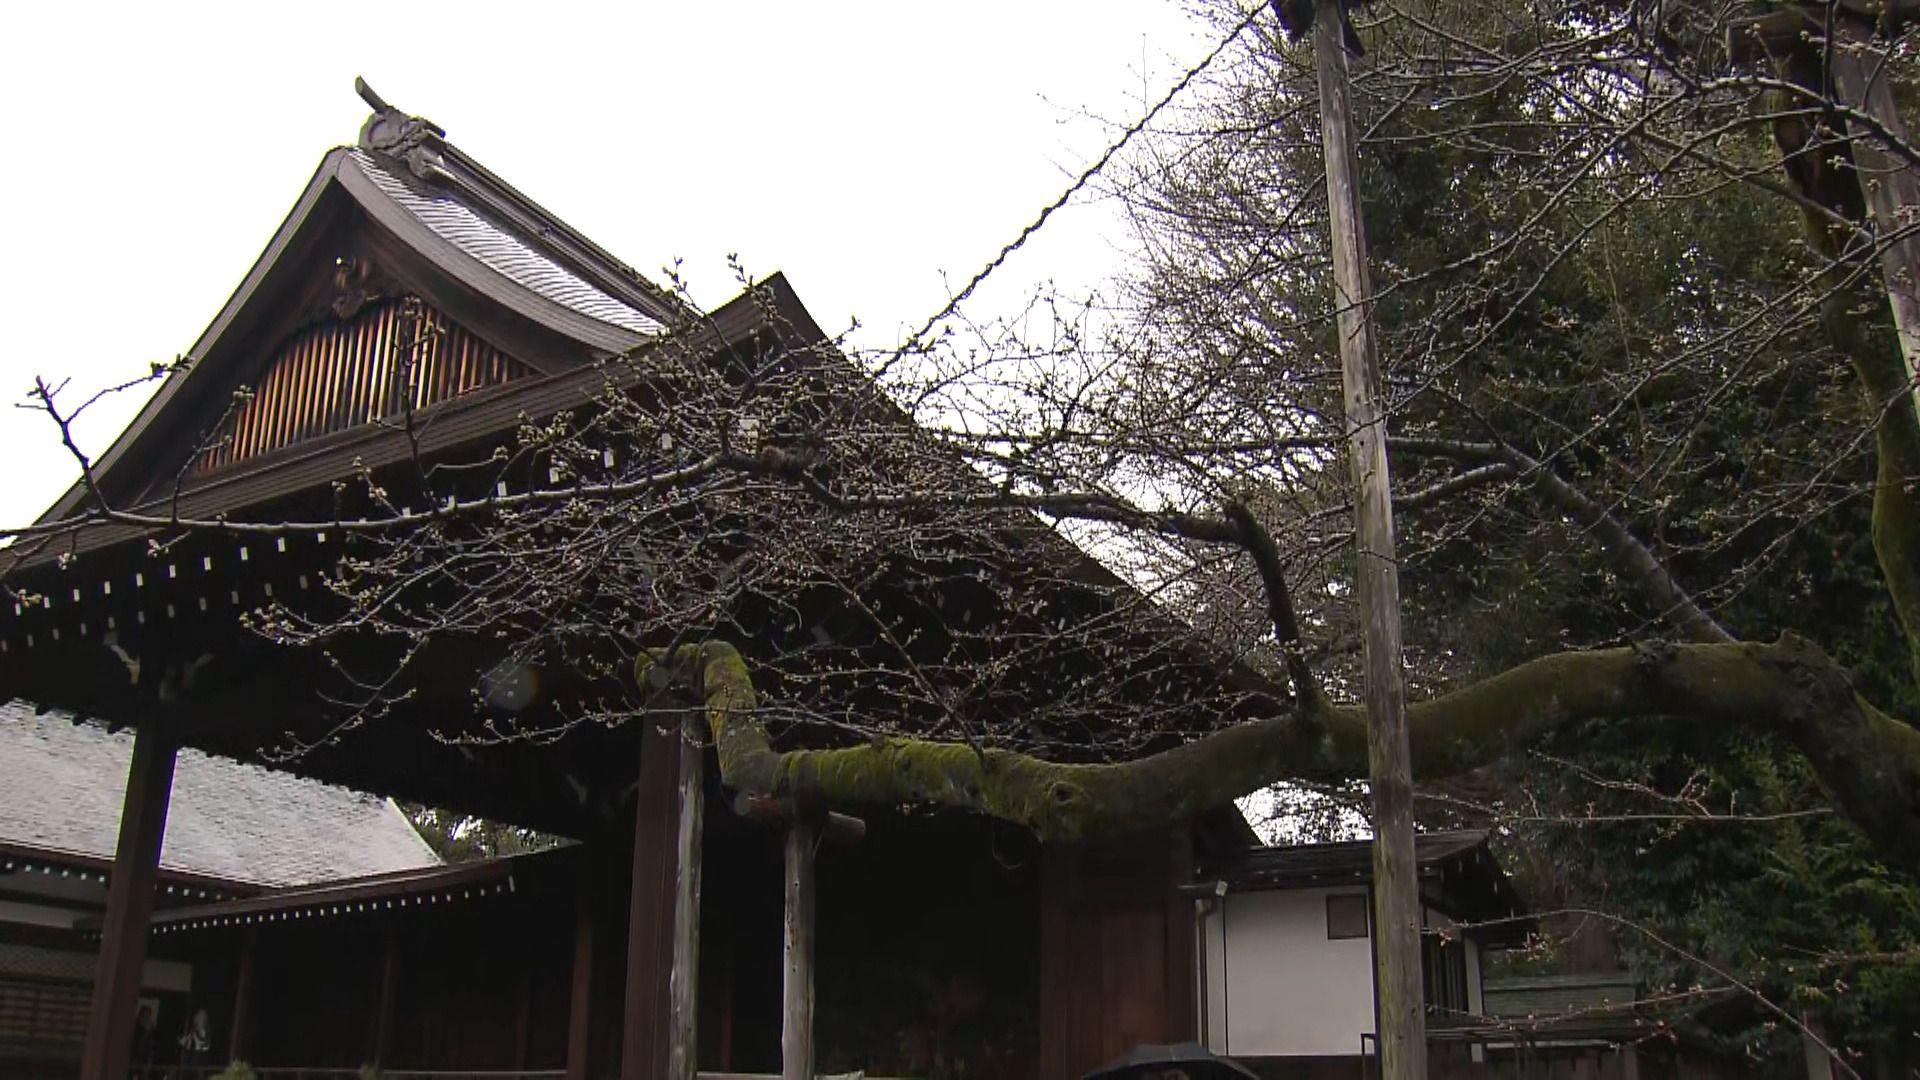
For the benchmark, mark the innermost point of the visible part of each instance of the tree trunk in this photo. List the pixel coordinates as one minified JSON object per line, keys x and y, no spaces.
{"x":1891,"y":189}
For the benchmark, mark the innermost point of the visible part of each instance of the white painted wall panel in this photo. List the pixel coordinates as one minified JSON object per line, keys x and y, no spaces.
{"x":1276,"y":985}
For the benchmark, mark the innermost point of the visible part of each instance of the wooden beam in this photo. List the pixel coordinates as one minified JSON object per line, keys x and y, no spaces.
{"x":115,"y":1003}
{"x":1403,"y":1045}
{"x":580,"y":995}
{"x":796,"y":1016}
{"x":835,"y":828}
{"x":240,"y":1040}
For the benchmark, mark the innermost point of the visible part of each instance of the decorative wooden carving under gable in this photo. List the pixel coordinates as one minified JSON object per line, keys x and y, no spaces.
{"x":369,"y":365}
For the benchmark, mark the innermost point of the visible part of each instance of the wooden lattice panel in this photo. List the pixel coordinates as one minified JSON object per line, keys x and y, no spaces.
{"x":342,"y":374}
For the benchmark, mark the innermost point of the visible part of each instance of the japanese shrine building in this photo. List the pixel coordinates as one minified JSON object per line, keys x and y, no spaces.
{"x":958,"y":936}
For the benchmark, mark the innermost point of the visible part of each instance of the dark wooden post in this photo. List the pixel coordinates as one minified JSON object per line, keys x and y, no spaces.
{"x":580,"y":996}
{"x":796,"y":1023}
{"x":1403,"y":1046}
{"x":523,"y":1013}
{"x":663,"y":916}
{"x":389,"y":991}
{"x":240,"y":1042}
{"x":123,"y":943}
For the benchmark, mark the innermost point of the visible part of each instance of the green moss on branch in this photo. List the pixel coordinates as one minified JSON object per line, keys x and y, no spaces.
{"x":1869,"y":761}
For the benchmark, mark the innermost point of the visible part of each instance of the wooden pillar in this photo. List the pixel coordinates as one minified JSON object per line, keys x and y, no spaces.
{"x":523,"y":1013}
{"x":240,"y":1042}
{"x":389,"y":992}
{"x":1182,"y":967}
{"x":796,"y":1018}
{"x":657,"y":1033}
{"x":1403,"y":1044}
{"x":683,"y":1049}
{"x":123,"y":946}
{"x":580,"y":996}
{"x":1892,"y":190}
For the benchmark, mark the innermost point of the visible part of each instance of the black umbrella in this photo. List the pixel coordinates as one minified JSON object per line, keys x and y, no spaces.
{"x":1195,"y":1060}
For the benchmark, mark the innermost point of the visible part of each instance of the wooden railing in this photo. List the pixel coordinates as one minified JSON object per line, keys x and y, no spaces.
{"x":289,"y":1072}
{"x":298,"y":1073}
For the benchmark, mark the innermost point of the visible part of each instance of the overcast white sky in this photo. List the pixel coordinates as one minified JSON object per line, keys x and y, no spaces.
{"x":874,"y":151}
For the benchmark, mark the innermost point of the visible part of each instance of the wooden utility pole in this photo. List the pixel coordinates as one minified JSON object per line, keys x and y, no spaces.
{"x":1396,"y":891}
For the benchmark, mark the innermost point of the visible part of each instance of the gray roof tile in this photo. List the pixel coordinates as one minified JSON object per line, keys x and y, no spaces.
{"x":61,"y":785}
{"x":498,"y":248}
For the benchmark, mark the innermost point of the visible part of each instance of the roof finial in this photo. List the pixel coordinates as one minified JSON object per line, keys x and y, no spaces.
{"x":412,"y":139}
{"x":378,"y":103}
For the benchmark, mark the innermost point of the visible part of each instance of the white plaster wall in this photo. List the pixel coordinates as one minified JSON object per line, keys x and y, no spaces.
{"x":1275,"y":984}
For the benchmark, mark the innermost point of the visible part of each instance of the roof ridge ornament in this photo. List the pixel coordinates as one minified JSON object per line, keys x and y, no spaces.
{"x":414,"y":140}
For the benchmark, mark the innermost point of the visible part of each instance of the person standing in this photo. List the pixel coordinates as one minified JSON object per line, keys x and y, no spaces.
{"x":146,"y":1035}
{"x":196,"y":1041}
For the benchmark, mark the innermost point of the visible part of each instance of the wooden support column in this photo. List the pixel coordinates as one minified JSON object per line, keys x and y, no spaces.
{"x":580,"y":995}
{"x":796,"y":1017}
{"x":1891,"y":188}
{"x":523,"y":1013}
{"x":658,"y":1031}
{"x":123,"y":946}
{"x":389,"y":992}
{"x":1403,"y":1041}
{"x":683,"y":1048}
{"x":240,"y":1041}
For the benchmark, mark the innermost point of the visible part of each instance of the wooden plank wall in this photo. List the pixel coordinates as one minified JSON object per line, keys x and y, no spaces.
{"x":1117,"y":965}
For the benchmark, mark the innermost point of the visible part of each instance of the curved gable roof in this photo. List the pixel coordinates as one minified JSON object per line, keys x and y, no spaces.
{"x":462,"y":220}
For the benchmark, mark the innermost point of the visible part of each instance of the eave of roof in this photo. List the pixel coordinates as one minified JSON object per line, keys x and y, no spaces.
{"x":1437,"y":856}
{"x":396,"y":891}
{"x":22,"y":858}
{"x":1298,"y":866}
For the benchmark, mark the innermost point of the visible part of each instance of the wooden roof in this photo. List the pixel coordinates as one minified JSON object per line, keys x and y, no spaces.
{"x":98,"y":605}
